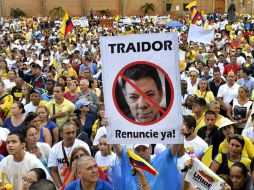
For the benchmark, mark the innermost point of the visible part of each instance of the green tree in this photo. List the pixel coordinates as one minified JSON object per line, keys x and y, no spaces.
{"x":104,"y":12}
{"x":16,"y":13}
{"x":147,"y":7}
{"x":57,"y":12}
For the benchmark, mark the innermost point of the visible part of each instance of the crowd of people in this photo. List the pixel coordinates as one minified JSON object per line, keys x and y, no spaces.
{"x":53,"y":124}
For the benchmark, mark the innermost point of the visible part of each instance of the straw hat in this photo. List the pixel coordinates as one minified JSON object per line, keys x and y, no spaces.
{"x":225,"y":122}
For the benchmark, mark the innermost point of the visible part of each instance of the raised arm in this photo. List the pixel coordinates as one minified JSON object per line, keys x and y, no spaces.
{"x":174,"y":148}
{"x":117,"y":149}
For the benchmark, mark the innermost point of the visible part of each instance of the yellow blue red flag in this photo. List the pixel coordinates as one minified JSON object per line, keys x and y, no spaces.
{"x":141,"y":163}
{"x":67,"y":25}
{"x":195,"y":15}
{"x":191,"y":5}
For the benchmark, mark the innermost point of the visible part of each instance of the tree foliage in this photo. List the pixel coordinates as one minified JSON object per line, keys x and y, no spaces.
{"x":57,"y":12}
{"x":104,"y":12}
{"x":148,"y":7}
{"x":16,"y":13}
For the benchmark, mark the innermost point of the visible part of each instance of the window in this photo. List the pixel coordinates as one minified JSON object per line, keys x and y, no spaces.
{"x":168,"y":7}
{"x":184,"y":6}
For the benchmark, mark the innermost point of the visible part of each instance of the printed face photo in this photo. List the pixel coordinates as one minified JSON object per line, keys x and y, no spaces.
{"x":143,"y":94}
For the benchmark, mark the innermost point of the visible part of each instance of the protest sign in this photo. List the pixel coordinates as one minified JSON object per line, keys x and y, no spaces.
{"x":201,"y":176}
{"x":82,"y":23}
{"x":141,"y":85}
{"x":200,"y":34}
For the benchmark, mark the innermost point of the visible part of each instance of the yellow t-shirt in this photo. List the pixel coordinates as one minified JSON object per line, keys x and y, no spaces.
{"x":199,"y":123}
{"x":66,"y":106}
{"x":208,"y":96}
{"x":245,"y":161}
{"x":71,"y":73}
{"x":218,"y":120}
{"x":248,"y":149}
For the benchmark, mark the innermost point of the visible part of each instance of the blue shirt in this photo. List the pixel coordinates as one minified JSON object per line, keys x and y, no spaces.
{"x":8,"y":124}
{"x":93,"y":68}
{"x":46,"y":97}
{"x":101,"y":185}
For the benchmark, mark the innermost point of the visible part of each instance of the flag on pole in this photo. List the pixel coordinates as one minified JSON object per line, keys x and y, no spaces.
{"x":195,"y":15}
{"x":67,"y":25}
{"x":141,"y":163}
{"x":191,"y":5}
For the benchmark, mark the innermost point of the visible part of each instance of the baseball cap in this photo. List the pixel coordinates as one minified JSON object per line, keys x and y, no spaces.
{"x":66,"y":61}
{"x":225,"y":122}
{"x":35,"y":90}
{"x":137,"y":145}
{"x":35,"y":65}
{"x":81,"y":103}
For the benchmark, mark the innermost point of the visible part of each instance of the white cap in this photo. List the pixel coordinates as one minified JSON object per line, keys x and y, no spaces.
{"x":66,"y":61}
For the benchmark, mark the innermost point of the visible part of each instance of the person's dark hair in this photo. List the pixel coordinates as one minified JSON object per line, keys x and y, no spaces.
{"x":206,"y":65}
{"x":247,"y":71}
{"x":30,"y":116}
{"x":19,"y":134}
{"x":43,"y":184}
{"x":61,"y":86}
{"x":227,"y":179}
{"x":190,"y":121}
{"x":20,"y":106}
{"x":2,"y":83}
{"x":237,"y":137}
{"x":243,"y":168}
{"x":252,"y":166}
{"x":210,"y":112}
{"x":52,"y":72}
{"x":140,"y":71}
{"x":65,"y":125}
{"x":41,"y":174}
{"x":51,"y":81}
{"x":216,"y":70}
{"x":200,"y":101}
{"x":27,"y":127}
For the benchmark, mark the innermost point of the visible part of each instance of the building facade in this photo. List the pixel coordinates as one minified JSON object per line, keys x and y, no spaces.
{"x":120,"y":7}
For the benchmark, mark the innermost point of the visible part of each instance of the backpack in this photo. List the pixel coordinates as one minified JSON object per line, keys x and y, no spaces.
{"x":223,"y":169}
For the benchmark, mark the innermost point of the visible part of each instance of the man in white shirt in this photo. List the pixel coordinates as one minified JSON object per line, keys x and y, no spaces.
{"x":227,"y":92}
{"x":19,"y":162}
{"x":193,"y":144}
{"x":59,"y":156}
{"x":35,"y":98}
{"x":192,"y":80}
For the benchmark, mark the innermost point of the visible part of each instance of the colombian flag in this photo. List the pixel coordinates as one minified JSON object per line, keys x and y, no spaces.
{"x":192,"y":5}
{"x":67,"y":25}
{"x":195,"y":15}
{"x":206,"y":156}
{"x":141,"y":163}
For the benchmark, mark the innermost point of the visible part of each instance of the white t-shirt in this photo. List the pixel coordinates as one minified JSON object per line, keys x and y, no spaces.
{"x":30,"y":108}
{"x":195,"y":146}
{"x":106,"y":163}
{"x":56,"y":156}
{"x":249,"y":132}
{"x":100,"y":132}
{"x":14,"y":171}
{"x":4,"y":133}
{"x":44,"y":149}
{"x":8,"y":84}
{"x":228,"y":93}
{"x":181,"y":161}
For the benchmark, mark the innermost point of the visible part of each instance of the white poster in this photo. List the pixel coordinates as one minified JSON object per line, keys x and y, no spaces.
{"x":200,"y":34}
{"x":141,"y":84}
{"x":201,"y":176}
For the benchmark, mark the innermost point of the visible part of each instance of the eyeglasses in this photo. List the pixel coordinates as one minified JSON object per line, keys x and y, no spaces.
{"x":28,"y":180}
{"x":78,"y":156}
{"x":236,"y":136}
